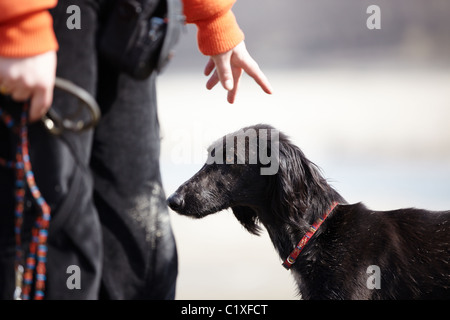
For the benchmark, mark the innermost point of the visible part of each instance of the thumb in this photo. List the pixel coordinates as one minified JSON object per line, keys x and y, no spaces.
{"x":40,"y":103}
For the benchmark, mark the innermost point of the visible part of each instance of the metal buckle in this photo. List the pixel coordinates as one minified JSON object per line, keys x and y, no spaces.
{"x":56,"y":125}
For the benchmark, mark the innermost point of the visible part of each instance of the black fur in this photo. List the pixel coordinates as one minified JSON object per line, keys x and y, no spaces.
{"x":410,"y":246}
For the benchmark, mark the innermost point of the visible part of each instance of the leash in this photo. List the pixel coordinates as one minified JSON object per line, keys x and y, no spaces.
{"x":290,"y":260}
{"x":57,"y":125}
{"x":38,"y":245}
{"x":33,"y":268}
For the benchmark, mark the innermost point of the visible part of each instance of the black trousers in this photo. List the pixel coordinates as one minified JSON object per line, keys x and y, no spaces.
{"x":109,"y":215}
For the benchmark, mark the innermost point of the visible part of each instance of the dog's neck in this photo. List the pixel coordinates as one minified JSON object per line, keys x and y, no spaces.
{"x":286,"y":233}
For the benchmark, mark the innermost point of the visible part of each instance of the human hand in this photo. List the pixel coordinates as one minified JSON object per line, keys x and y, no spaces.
{"x":228,"y":70}
{"x":30,"y":78}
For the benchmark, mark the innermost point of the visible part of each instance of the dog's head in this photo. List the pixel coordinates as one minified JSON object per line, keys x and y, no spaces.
{"x":252,"y":170}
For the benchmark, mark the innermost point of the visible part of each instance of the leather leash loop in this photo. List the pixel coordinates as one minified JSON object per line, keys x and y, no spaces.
{"x":57,"y":125}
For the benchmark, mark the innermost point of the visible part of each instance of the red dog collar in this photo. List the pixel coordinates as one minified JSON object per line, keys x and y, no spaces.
{"x":296,"y":252}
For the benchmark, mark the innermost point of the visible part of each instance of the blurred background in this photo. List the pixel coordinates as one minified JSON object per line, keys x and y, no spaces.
{"x":370,"y":107}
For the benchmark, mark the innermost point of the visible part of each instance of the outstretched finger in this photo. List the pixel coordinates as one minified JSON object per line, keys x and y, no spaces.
{"x":223,"y":69}
{"x":209,"y":67}
{"x":237,"y":73}
{"x":253,"y":70}
{"x":213,"y":80}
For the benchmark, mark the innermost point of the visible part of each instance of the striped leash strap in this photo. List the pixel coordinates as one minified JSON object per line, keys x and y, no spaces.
{"x":35,"y":263}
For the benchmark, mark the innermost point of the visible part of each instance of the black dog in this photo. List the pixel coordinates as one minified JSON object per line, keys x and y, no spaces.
{"x":357,"y":253}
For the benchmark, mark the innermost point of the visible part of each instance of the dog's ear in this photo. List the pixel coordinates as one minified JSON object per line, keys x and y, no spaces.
{"x":287,"y":187}
{"x":294,"y":184}
{"x":248,"y":218}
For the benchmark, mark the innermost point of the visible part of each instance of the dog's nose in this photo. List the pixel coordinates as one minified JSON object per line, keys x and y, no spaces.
{"x":175,"y":202}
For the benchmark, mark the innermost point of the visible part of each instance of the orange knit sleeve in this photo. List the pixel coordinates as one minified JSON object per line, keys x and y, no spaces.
{"x":26,"y":28}
{"x":218,"y":30}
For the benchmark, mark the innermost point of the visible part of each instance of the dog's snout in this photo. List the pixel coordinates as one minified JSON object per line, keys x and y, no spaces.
{"x":175,"y":202}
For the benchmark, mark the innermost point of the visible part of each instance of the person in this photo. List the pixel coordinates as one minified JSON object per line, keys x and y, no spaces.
{"x":109,"y":214}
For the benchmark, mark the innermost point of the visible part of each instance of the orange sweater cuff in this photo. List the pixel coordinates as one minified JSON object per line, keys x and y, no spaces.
{"x":27,"y":35}
{"x":218,"y":35}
